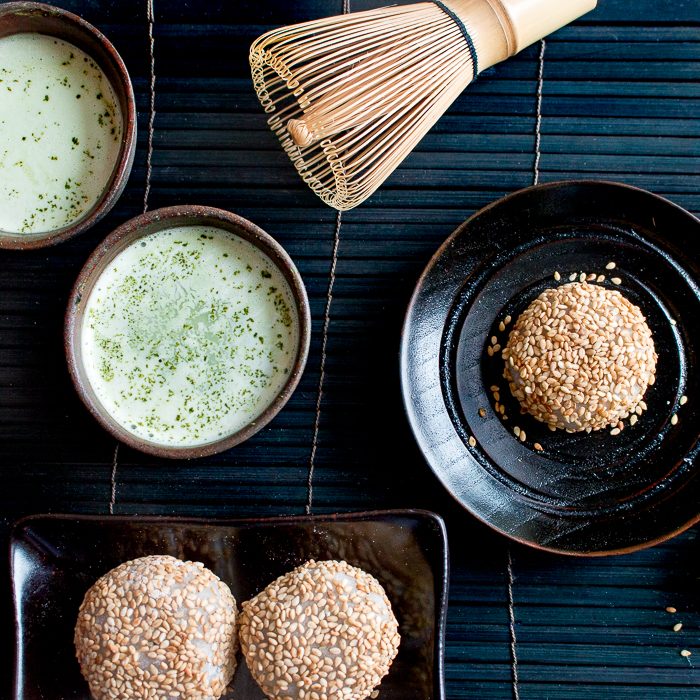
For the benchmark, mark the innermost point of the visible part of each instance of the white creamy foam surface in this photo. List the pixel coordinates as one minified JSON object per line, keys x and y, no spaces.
{"x":61,"y":129}
{"x":188,"y":335}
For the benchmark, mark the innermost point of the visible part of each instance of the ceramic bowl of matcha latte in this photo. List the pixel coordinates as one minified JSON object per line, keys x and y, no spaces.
{"x":187,"y":331}
{"x":68,"y":120}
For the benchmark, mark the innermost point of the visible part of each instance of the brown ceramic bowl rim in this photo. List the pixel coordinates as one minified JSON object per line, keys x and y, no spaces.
{"x":124,"y":236}
{"x":122,"y":168}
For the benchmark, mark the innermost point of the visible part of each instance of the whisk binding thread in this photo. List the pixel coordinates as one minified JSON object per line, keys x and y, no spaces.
{"x":465,"y":33}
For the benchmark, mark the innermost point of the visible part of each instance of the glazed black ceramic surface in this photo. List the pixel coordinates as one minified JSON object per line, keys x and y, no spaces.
{"x":583,"y":493}
{"x":56,"y":558}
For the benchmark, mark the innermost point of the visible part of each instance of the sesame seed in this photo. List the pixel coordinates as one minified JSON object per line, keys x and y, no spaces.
{"x":494,"y":388}
{"x":685,"y":653}
{"x":582,"y":277}
{"x":633,"y":418}
{"x":572,"y":277}
{"x":501,"y":326}
{"x":610,"y":266}
{"x":557,"y":276}
{"x":616,"y":280}
{"x":516,"y":430}
{"x":482,"y":413}
{"x":494,"y":340}
{"x":490,"y":351}
{"x":673,"y":321}
{"x":472,"y":441}
{"x":522,"y":436}
{"x":674,"y":419}
{"x":600,"y":278}
{"x":671,"y":610}
{"x":615,"y":431}
{"x":677,"y":626}
{"x":684,"y":400}
{"x":507,"y":320}
{"x":538,"y":447}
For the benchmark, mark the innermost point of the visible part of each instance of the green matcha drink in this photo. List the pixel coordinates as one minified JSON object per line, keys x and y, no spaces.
{"x":188,"y":335}
{"x":60,"y":133}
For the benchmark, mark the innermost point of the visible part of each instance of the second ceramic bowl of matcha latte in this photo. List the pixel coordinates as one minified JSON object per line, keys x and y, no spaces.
{"x":187,"y":331}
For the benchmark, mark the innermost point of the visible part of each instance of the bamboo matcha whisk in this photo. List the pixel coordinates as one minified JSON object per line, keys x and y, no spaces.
{"x":350,"y":96}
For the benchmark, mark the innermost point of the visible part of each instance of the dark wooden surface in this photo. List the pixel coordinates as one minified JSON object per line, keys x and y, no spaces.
{"x":621,"y":102}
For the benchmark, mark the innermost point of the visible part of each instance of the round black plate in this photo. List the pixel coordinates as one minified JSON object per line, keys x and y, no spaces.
{"x":582,"y":494}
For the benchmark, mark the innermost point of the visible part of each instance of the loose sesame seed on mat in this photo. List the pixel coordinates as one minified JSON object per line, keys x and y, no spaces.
{"x":325,"y":629}
{"x":157,"y":623}
{"x":580,"y":357}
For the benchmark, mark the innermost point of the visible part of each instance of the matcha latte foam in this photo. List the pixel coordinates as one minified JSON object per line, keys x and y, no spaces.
{"x":188,"y":335}
{"x":61,"y":133}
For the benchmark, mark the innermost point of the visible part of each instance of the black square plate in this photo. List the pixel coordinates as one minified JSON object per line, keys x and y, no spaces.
{"x":54,"y":559}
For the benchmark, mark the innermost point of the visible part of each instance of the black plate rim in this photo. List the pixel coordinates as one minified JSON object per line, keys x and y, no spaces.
{"x":404,"y":360}
{"x":441,"y":591}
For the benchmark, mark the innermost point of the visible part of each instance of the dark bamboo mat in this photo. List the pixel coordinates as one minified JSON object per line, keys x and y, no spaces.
{"x":621,"y":102}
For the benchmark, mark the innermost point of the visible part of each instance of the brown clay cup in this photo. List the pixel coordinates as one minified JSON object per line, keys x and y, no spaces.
{"x":21,"y":17}
{"x":127,"y":234}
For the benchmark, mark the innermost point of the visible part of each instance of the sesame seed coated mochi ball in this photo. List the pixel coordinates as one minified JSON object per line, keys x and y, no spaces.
{"x":580,"y":357}
{"x":325,"y":631}
{"x":157,"y":627}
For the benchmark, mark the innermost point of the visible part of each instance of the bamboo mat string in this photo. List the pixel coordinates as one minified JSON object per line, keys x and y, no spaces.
{"x":326,"y":323}
{"x":151,"y":120}
{"x":538,"y":122}
{"x":151,"y":19}
{"x":113,"y":494}
{"x":511,"y":619}
{"x":511,"y":601}
{"x":324,"y":342}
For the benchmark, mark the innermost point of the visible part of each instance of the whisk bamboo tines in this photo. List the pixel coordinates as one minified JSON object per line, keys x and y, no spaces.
{"x":350,"y":96}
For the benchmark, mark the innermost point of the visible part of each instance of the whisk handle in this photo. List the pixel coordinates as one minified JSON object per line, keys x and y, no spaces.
{"x":502,"y":28}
